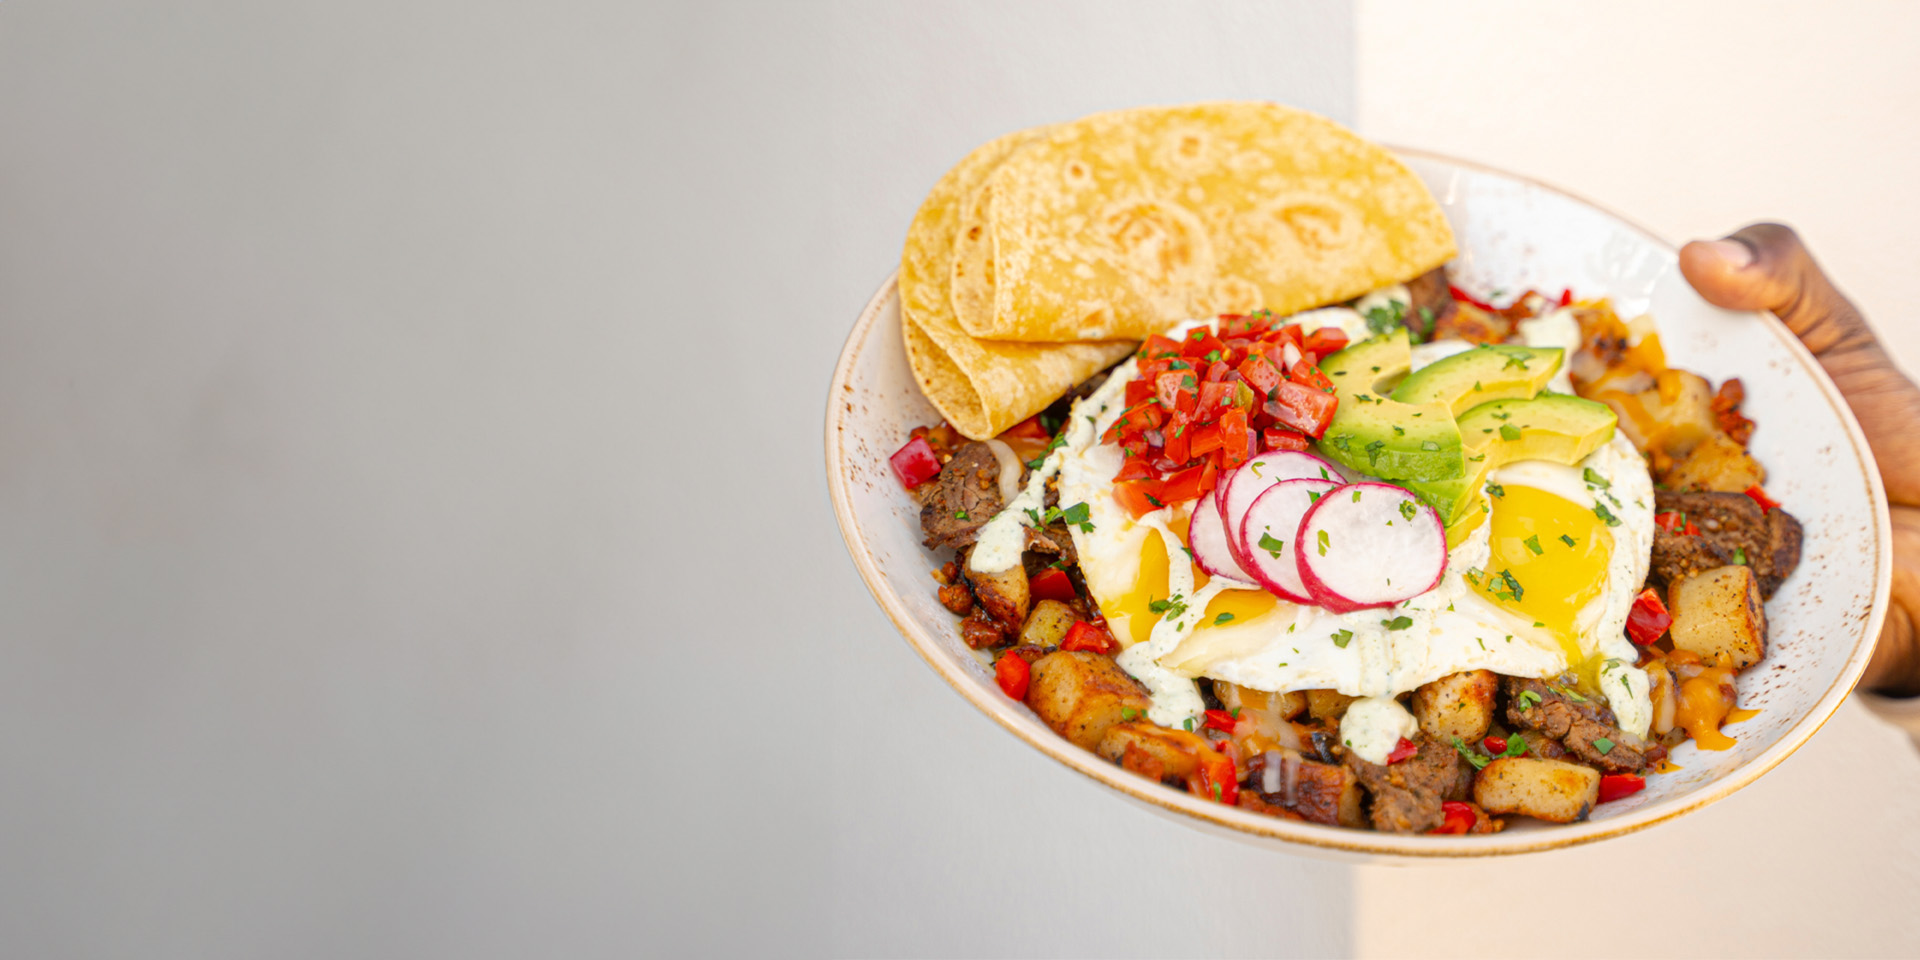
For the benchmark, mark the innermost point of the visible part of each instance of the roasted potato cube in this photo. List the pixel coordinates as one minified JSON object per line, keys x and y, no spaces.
{"x":1177,"y":752}
{"x":1328,"y":705}
{"x":1672,"y":417}
{"x":1276,"y":706}
{"x":1005,"y":595}
{"x":1718,"y":464}
{"x":1718,"y":615}
{"x":1048,"y":624}
{"x":1550,"y":790}
{"x":1080,"y":694}
{"x":1457,"y":705}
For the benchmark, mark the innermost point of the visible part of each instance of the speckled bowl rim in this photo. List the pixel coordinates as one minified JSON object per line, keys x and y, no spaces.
{"x":1336,"y":841}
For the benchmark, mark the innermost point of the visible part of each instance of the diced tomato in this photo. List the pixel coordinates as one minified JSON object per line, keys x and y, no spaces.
{"x":1029,"y":429}
{"x":1052,"y":584}
{"x":1158,"y":347}
{"x":1139,"y":392}
{"x":1460,"y":818}
{"x":1012,"y":674}
{"x":1566,"y":297}
{"x":1137,"y":468}
{"x":1090,"y":637}
{"x":1237,"y":325}
{"x":1178,"y":445}
{"x":1188,"y":484}
{"x":1139,"y":497}
{"x":1760,"y":497}
{"x":1137,"y":420}
{"x":1215,"y":780}
{"x":1260,"y":374}
{"x":1280,"y":438}
{"x":1402,"y":751}
{"x":915,"y":463}
{"x":1495,"y":745}
{"x":1289,"y":334}
{"x":1199,"y":347}
{"x":1324,"y":341}
{"x":1205,"y":440}
{"x":1297,"y":406}
{"x":1220,"y":720}
{"x":1216,"y":371}
{"x":1311,"y":375}
{"x":1236,"y":446}
{"x":1215,"y":398}
{"x":1613,"y":786}
{"x":1648,"y":619}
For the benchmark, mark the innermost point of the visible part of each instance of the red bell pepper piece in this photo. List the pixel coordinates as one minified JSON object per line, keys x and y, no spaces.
{"x":1297,"y":406}
{"x":1215,"y":780}
{"x":1220,"y":720}
{"x":1460,"y":818}
{"x":1674,"y":521}
{"x":1086,"y":636}
{"x":1280,"y":438}
{"x":1566,"y":296}
{"x":1464,"y":297}
{"x":1012,"y":674}
{"x":1495,"y":745}
{"x":1760,"y":497}
{"x":1052,"y":584}
{"x":1324,"y":341}
{"x":1613,"y":786}
{"x":1402,"y":751}
{"x":1648,"y":619}
{"x":915,"y":463}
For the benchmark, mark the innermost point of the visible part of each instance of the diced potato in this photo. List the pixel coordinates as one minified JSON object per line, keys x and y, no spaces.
{"x":1006,"y":594}
{"x":1328,"y":705}
{"x":1457,"y":705}
{"x":1718,"y":615}
{"x":1048,"y":624}
{"x":1280,"y":706}
{"x":1672,"y":417}
{"x":1178,"y":752}
{"x":1550,"y":790}
{"x":1080,"y":694}
{"x":1717,"y":464}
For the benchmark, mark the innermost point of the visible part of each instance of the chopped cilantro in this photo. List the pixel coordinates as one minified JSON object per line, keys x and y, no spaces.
{"x":1496,"y":490}
{"x":960,"y":515}
{"x":1528,"y":699}
{"x":1223,"y":618}
{"x":1509,"y":432}
{"x":1373,"y":451}
{"x":1397,"y":623}
{"x":1472,"y":756}
{"x":1272,"y":546}
{"x":1533,"y":543}
{"x":1594,"y":479}
{"x":1429,"y":446}
{"x":1323,"y":543}
{"x":1356,"y":495}
{"x":1407,"y":509}
{"x":1188,"y":724}
{"x":1342,"y":637}
{"x":1515,"y":360}
{"x":1512,"y":584}
{"x":1603,"y":745}
{"x":1569,"y":541}
{"x":1399,"y":431}
{"x":1600,"y":510}
{"x":1740,"y":555}
{"x":1383,"y":319}
{"x":1128,"y":713}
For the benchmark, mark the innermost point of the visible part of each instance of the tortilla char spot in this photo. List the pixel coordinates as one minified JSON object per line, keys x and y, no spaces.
{"x":1160,"y":243}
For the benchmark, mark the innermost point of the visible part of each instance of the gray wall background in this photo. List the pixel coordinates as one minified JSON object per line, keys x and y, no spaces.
{"x":412,"y":533}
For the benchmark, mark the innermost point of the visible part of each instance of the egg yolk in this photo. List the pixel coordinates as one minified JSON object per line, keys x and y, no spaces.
{"x":1151,"y":585}
{"x":1549,"y":559}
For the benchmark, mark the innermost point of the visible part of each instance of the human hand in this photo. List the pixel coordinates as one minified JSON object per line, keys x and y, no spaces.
{"x":1765,"y":267}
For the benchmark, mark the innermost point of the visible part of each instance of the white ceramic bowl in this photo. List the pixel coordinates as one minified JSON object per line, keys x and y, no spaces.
{"x":1513,"y":233}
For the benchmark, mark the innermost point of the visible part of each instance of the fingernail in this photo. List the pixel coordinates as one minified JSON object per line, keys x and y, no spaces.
{"x":1738,"y":254}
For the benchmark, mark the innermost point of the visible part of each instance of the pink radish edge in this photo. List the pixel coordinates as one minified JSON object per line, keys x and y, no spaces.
{"x":1304,"y":466}
{"x":1324,"y":593}
{"x":1275,"y":506}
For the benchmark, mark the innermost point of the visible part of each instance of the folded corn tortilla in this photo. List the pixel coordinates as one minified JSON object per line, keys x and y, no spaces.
{"x":1120,"y":224}
{"x":982,"y":387}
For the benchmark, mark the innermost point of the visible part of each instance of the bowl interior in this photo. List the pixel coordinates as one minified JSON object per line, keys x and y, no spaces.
{"x":1513,"y":234}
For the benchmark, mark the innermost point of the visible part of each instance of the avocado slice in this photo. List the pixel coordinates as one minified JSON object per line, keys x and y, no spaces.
{"x":1481,"y":375}
{"x":1552,"y":426}
{"x":1384,"y":437}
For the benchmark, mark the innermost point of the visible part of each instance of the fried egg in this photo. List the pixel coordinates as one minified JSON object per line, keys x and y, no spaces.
{"x":1543,"y":584}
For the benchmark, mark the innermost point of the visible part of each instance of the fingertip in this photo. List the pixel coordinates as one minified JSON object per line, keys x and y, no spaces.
{"x":1715,"y":269}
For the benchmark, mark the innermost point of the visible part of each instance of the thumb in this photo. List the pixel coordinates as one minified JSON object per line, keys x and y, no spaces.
{"x":1764,"y":266}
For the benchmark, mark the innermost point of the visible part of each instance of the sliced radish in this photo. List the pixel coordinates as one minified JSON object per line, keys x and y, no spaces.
{"x":1270,"y":527}
{"x":1207,"y":538}
{"x":1251,"y":479}
{"x":1370,"y":545}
